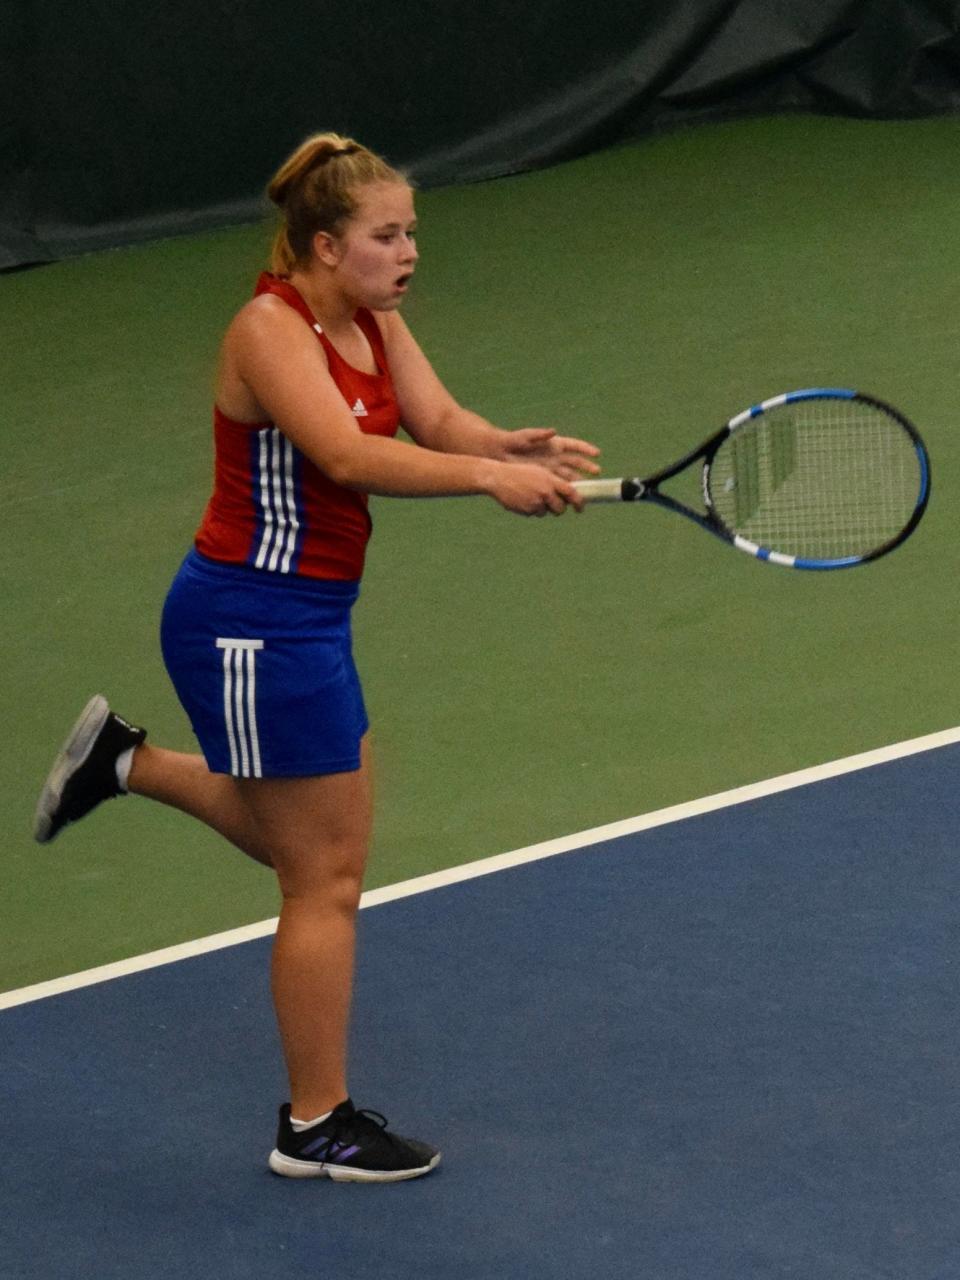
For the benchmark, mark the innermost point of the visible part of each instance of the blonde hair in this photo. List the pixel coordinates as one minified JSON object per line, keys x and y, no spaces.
{"x":316,"y":190}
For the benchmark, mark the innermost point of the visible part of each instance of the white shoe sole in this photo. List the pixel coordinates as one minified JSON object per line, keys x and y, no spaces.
{"x":75,"y":751}
{"x":290,"y":1167}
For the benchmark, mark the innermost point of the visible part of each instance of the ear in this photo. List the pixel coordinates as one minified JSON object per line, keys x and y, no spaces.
{"x":327,"y":248}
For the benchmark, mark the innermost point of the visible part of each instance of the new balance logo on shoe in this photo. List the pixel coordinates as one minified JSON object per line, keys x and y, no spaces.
{"x":359,"y":410}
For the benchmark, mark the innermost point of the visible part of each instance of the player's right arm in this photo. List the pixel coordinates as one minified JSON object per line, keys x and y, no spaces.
{"x":280,"y":363}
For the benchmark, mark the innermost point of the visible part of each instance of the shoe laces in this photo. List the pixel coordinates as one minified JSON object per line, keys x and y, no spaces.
{"x":361,"y":1119}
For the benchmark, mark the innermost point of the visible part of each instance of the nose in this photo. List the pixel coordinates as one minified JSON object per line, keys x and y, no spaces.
{"x":410,"y":252}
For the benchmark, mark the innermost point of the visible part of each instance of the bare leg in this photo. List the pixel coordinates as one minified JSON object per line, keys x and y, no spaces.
{"x":318,"y":832}
{"x":185,"y":782}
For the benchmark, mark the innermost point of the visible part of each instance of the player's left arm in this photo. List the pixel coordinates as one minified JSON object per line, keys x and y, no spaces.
{"x":434,"y":419}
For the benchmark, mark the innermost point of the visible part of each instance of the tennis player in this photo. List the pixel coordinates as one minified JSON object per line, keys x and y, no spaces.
{"x":317,"y":373}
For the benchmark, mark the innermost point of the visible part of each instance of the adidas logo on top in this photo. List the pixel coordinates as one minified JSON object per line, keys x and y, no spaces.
{"x":359,"y":410}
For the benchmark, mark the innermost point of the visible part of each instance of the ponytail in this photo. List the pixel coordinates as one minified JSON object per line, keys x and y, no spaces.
{"x":316,"y":189}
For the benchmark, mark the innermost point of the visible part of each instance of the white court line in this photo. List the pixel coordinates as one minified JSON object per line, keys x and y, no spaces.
{"x":499,"y":862}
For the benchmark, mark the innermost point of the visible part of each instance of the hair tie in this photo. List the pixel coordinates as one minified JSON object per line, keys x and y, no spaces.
{"x":327,"y":156}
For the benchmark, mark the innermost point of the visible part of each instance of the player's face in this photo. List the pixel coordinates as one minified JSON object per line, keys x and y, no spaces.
{"x":377,"y":250}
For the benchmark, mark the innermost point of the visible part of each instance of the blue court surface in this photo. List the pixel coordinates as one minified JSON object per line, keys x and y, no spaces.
{"x":726,"y":1047}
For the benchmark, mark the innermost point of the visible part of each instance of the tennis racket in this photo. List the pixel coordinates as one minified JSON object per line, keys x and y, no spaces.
{"x":824,"y":478}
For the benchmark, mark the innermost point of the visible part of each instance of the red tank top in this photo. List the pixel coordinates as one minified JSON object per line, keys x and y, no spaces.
{"x":271,"y":507}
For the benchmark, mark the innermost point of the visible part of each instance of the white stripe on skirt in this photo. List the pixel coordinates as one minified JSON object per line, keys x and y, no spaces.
{"x":239,"y":705}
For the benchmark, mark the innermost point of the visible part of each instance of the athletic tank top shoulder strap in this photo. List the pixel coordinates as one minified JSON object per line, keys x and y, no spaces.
{"x":366,"y":322}
{"x":364,"y":319}
{"x":267,"y":282}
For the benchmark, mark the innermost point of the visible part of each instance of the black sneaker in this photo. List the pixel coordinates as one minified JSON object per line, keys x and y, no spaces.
{"x":84,"y":773}
{"x":349,"y":1146}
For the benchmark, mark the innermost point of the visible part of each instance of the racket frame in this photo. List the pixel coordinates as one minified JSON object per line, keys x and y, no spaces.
{"x":637,"y":489}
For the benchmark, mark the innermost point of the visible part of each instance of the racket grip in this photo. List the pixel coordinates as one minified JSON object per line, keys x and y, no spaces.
{"x":601,"y":490}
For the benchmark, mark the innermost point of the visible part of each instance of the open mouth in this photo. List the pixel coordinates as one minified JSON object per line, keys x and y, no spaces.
{"x":401,"y":282}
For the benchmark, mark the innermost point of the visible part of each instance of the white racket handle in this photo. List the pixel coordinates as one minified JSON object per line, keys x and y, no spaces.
{"x":600,"y":490}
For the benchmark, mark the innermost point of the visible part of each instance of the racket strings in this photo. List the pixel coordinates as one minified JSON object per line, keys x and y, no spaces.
{"x":822,"y":479}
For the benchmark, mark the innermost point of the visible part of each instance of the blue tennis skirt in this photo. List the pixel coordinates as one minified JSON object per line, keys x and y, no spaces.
{"x":264,"y":669}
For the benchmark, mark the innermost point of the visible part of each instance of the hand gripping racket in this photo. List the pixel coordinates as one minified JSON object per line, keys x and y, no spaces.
{"x":824,"y":478}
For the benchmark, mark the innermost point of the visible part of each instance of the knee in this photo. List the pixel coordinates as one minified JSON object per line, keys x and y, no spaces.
{"x":321,"y":888}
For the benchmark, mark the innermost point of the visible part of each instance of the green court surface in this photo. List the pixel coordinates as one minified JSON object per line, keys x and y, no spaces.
{"x":525,"y":679}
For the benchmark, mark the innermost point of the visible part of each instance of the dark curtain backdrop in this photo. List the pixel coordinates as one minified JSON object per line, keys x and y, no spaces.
{"x":123,"y":122}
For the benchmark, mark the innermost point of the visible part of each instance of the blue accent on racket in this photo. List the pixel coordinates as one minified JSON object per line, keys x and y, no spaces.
{"x":821,"y":393}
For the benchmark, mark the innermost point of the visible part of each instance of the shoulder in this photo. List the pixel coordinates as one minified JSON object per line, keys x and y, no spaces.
{"x":266,"y":339}
{"x":266,"y":318}
{"x":266,"y":308}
